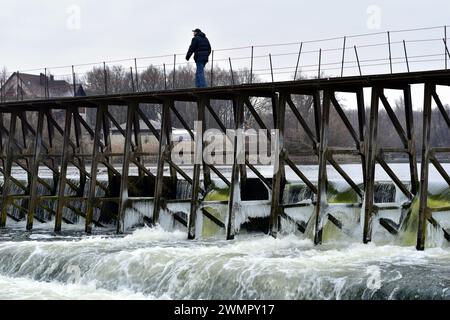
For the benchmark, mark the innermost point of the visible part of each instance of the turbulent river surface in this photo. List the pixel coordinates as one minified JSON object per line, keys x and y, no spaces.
{"x":162,"y":264}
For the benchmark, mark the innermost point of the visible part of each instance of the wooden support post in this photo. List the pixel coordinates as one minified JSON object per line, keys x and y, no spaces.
{"x":63,"y":173}
{"x":7,"y":173}
{"x":123,"y":196}
{"x":138,"y":140}
{"x":362,"y":130}
{"x":321,"y":201}
{"x":409,"y":116}
{"x":205,"y":168}
{"x":106,"y":124}
{"x":198,"y":160}
{"x":2,"y":160}
{"x":279,"y":177}
{"x":238,"y":114}
{"x":94,"y":167}
{"x":26,"y":135}
{"x":33,"y":203}
{"x":163,"y":150}
{"x":79,"y":149}
{"x":51,"y":133}
{"x":23,"y":125}
{"x":424,"y":212}
{"x":168,"y":132}
{"x":317,"y":114}
{"x":371,"y":152}
{"x":239,"y":155}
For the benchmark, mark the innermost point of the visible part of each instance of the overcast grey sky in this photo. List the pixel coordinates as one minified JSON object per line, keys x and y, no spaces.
{"x":48,"y":32}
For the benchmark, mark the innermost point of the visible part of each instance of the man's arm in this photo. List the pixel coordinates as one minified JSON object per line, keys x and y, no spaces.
{"x":192,"y":48}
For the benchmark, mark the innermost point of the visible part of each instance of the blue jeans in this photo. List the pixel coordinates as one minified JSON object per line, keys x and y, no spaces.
{"x":200,"y":81}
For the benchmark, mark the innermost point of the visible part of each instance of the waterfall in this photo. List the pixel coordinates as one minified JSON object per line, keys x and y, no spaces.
{"x":297,"y":192}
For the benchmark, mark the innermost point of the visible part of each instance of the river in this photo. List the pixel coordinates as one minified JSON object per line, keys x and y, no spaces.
{"x":162,"y":264}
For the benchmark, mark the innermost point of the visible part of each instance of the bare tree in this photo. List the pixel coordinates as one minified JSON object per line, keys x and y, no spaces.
{"x":4,"y":74}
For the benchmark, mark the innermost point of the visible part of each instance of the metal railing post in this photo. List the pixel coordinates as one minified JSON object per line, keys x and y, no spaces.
{"x":320,"y":61}
{"x":251,"y":66}
{"x":174,"y":70}
{"x":105,"y":77}
{"x":298,"y":60}
{"x":133,"y":88}
{"x":357,"y":59}
{"x":406,"y":55}
{"x":74,"y":82}
{"x":136,"y":74}
{"x":343,"y":57}
{"x":390,"y":53}
{"x":165,"y":77}
{"x":271,"y":67}
{"x":445,"y":44}
{"x":231,"y":70}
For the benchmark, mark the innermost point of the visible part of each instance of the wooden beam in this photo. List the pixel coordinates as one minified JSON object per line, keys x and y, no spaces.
{"x":148,"y":123}
{"x":123,"y":195}
{"x":371,"y":152}
{"x":182,"y":121}
{"x":321,"y":202}
{"x":345,"y":119}
{"x":440,"y":169}
{"x":32,"y":204}
{"x":81,"y":161}
{"x":202,"y":119}
{"x":397,"y":125}
{"x":300,"y":174}
{"x":63,"y":173}
{"x":94,"y":168}
{"x":424,"y":167}
{"x":163,"y":151}
{"x":362,"y":130}
{"x":198,"y":160}
{"x":394,"y":177}
{"x":346,"y":177}
{"x":7,"y":171}
{"x":303,"y":123}
{"x":279,"y":175}
{"x":238,"y":151}
{"x":409,"y":116}
{"x":138,"y":160}
{"x":238,"y":113}
{"x":258,"y":119}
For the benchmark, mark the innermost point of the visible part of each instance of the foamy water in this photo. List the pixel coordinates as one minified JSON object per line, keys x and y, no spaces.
{"x":155,"y":264}
{"x":160,"y":264}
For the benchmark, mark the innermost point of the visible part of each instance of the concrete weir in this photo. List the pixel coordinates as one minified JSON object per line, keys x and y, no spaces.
{"x":49,"y":133}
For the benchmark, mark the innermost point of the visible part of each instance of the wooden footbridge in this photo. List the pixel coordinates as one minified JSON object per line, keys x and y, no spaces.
{"x":30,"y":147}
{"x":52,"y":135}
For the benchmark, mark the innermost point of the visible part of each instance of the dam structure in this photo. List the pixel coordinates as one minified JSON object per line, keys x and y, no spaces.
{"x":71,"y":172}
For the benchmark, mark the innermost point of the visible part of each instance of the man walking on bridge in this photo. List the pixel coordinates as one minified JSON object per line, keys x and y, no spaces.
{"x":201,"y":49}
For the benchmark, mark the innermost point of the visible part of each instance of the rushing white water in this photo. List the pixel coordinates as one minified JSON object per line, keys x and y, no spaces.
{"x":160,"y":263}
{"x":155,"y":264}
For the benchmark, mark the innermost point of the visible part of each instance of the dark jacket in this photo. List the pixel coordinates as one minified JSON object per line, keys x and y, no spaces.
{"x":200,"y":47}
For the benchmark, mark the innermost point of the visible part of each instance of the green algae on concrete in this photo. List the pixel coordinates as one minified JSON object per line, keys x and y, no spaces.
{"x":209,"y":228}
{"x":408,"y":231}
{"x":346,"y":196}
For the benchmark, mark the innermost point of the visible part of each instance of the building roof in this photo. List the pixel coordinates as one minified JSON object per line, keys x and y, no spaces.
{"x":34,"y":86}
